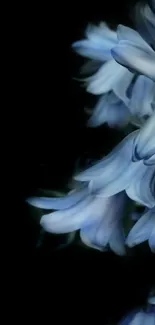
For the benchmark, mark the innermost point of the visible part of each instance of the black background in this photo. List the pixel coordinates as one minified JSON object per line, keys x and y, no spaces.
{"x":76,"y":284}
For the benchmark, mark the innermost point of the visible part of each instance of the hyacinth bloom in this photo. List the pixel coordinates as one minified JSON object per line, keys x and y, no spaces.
{"x":98,"y":219}
{"x":97,"y":46}
{"x":117,"y":172}
{"x":133,"y":52}
{"x":136,"y":94}
{"x":143,"y":230}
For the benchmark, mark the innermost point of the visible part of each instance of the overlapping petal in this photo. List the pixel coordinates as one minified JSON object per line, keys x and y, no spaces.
{"x":108,"y":231}
{"x":142,"y":188}
{"x":144,"y":144}
{"x":109,"y":109}
{"x":134,"y":53}
{"x":98,"y":43}
{"x":144,"y":19}
{"x":142,"y":230}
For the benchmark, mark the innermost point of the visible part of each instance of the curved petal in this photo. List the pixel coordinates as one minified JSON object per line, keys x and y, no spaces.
{"x":60,"y":203}
{"x":145,"y":21}
{"x":136,"y":58}
{"x":117,"y":240}
{"x":82,"y":214}
{"x":121,"y":154}
{"x":152,"y":244}
{"x":142,"y":97}
{"x":105,"y":78}
{"x":108,"y":228}
{"x":142,"y":229}
{"x":141,"y":189}
{"x":111,"y":110}
{"x":144,"y":144}
{"x":125,"y":33}
{"x":98,"y":43}
{"x":121,"y":87}
{"x":150,"y":161}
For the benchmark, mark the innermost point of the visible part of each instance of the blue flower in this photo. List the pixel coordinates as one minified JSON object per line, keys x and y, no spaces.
{"x":117,"y":172}
{"x":133,"y":52}
{"x":143,"y":230}
{"x":98,"y":219}
{"x":136,"y":94}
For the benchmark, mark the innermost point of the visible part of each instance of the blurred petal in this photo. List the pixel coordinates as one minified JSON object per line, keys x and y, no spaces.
{"x":117,"y":240}
{"x":125,"y":33}
{"x":144,"y":144}
{"x":138,"y":319}
{"x":106,"y":78}
{"x":151,"y":300}
{"x":152,"y":244}
{"x":141,"y":189}
{"x":134,"y":57}
{"x":142,"y":229}
{"x":100,"y":40}
{"x":144,"y":19}
{"x":142,"y":97}
{"x":111,"y":110}
{"x":58,"y":203}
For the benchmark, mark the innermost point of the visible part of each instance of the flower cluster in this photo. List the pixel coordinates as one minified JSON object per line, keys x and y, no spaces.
{"x":121,"y":71}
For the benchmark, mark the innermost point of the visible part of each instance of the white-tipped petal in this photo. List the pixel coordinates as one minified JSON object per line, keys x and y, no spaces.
{"x":151,"y":300}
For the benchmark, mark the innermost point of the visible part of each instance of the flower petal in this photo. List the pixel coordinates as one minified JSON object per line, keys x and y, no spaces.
{"x":145,"y":21}
{"x":117,"y":240}
{"x":142,"y":97}
{"x":138,"y":319}
{"x":97,"y":46}
{"x":144,"y":144}
{"x":152,"y":242}
{"x":125,"y":33}
{"x":58,"y":203}
{"x":142,"y":229}
{"x":119,"y":155}
{"x":105,"y":78}
{"x":82,"y":214}
{"x":108,"y":228}
{"x":111,"y":110}
{"x":141,"y":189}
{"x":134,"y":57}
